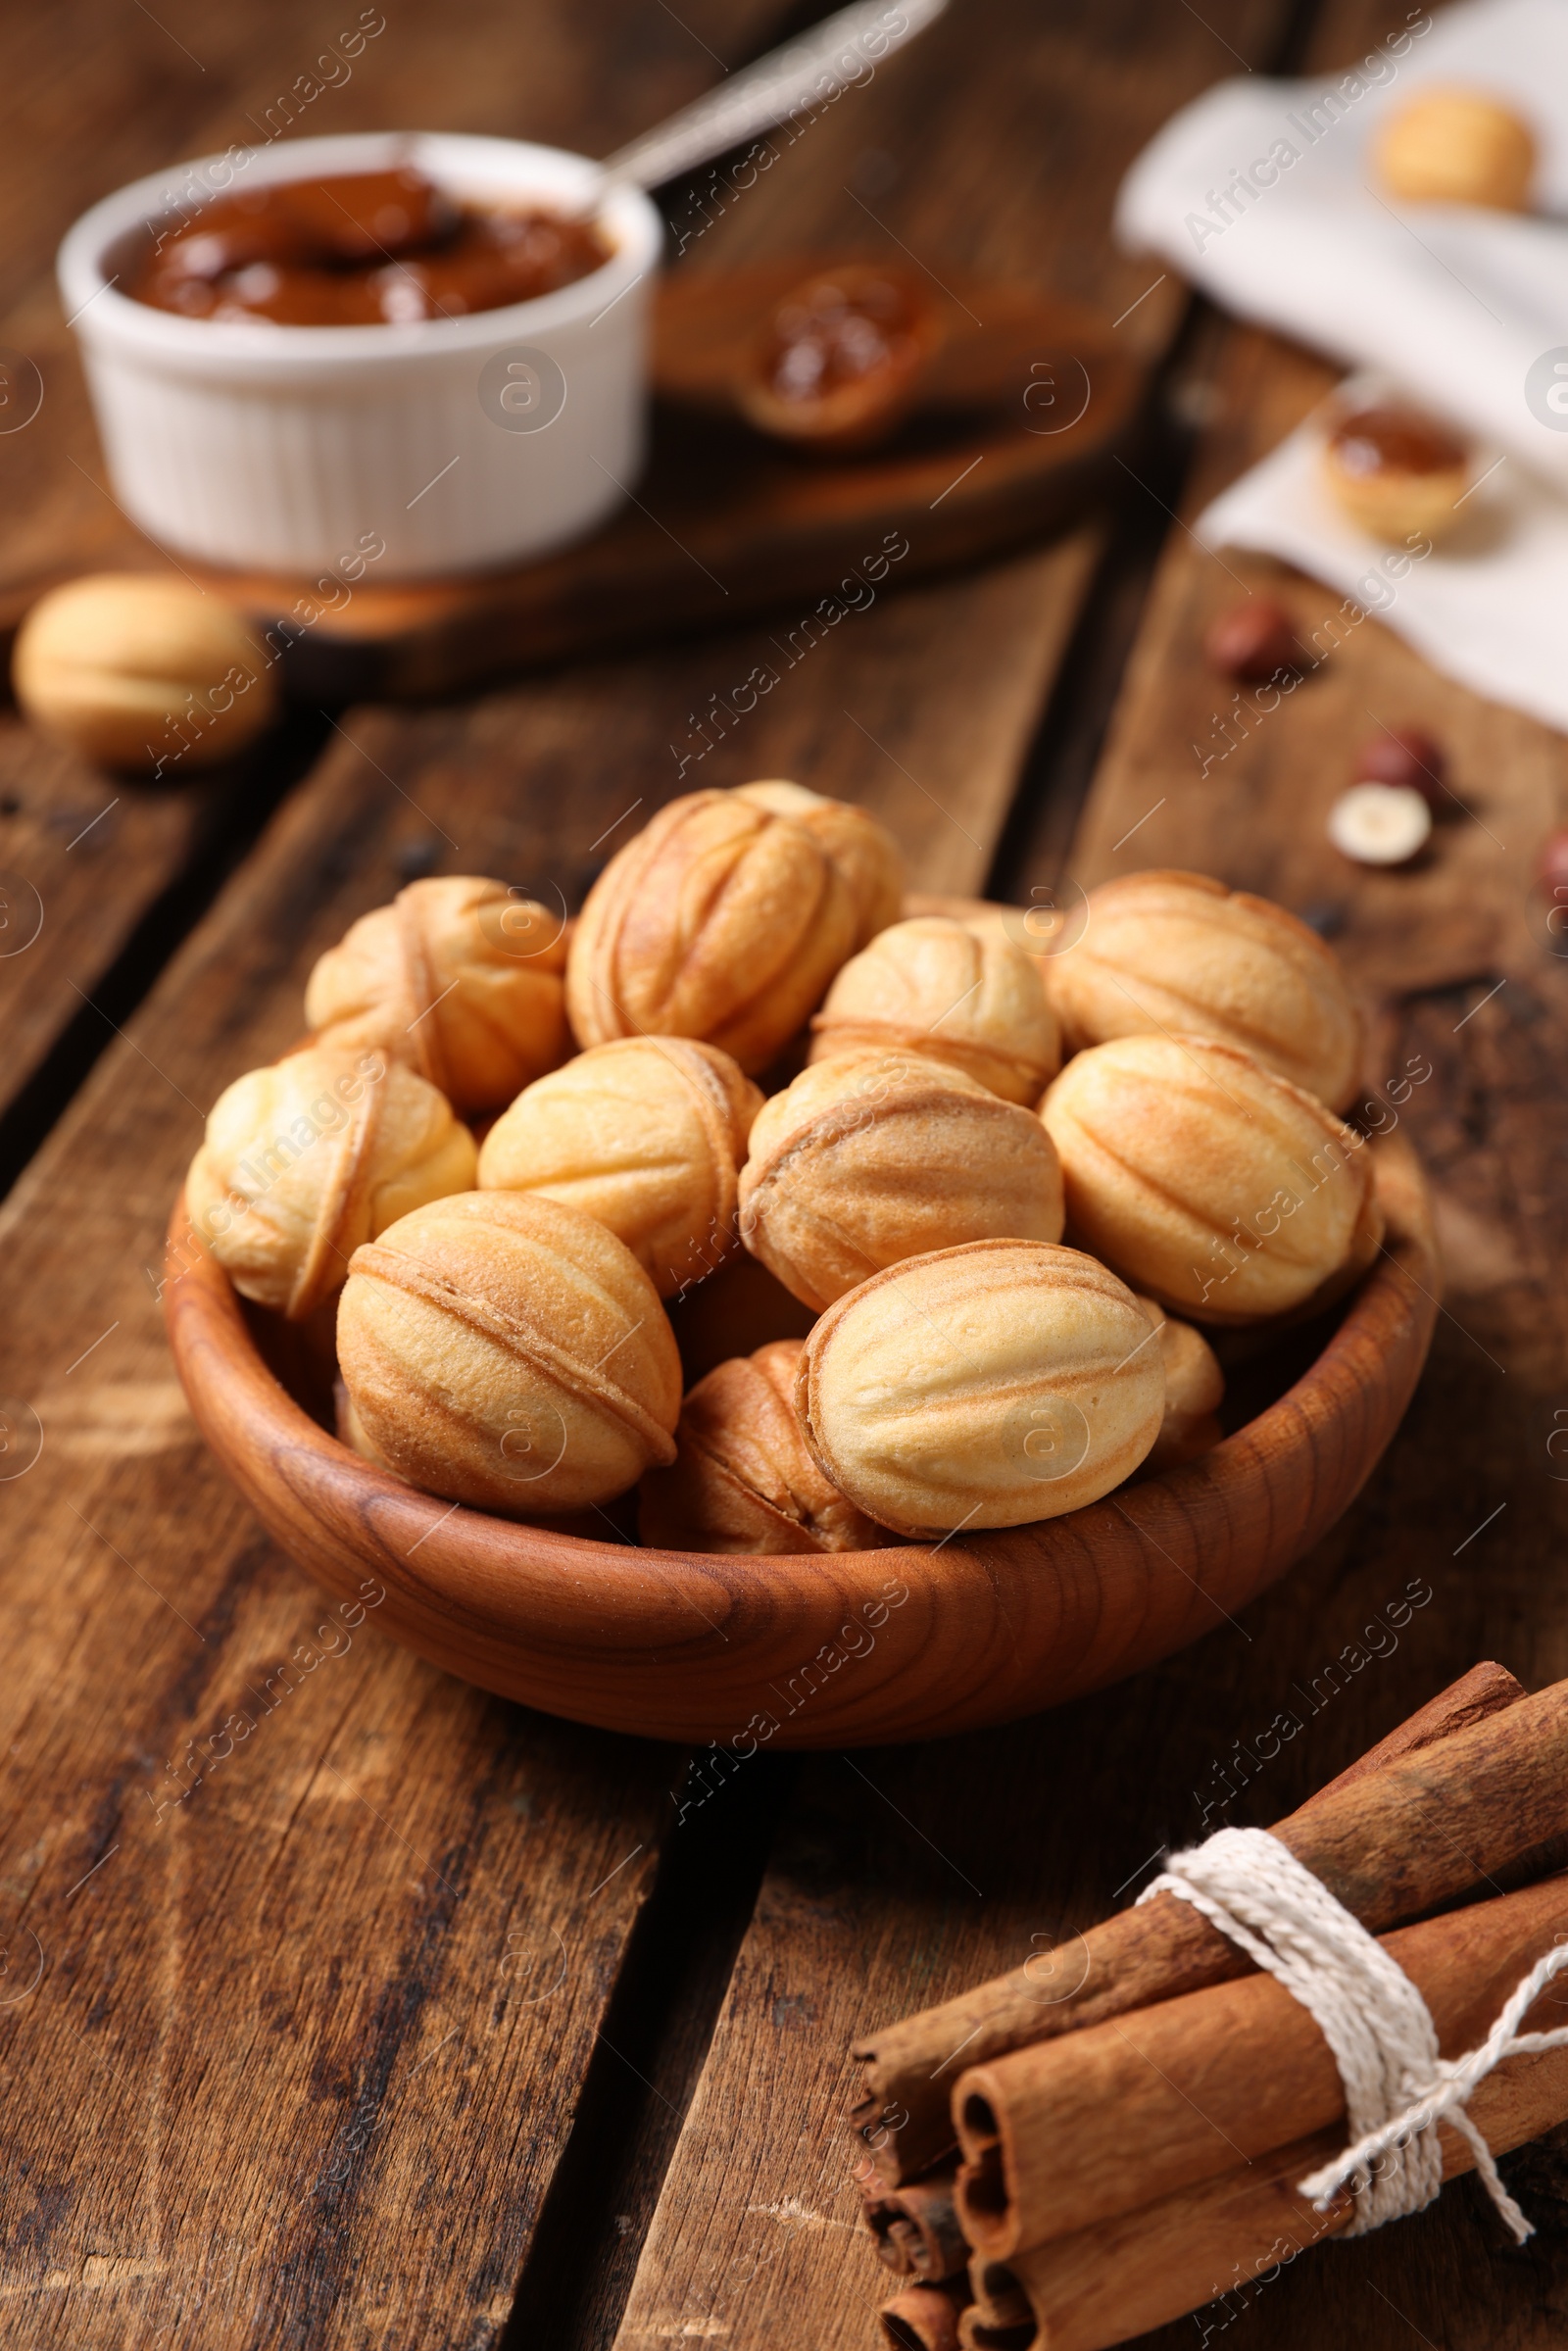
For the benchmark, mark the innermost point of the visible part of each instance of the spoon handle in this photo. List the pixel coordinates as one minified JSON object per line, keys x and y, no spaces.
{"x":844,"y":49}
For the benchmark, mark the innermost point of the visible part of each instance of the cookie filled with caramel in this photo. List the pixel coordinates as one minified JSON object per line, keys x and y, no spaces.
{"x":839,"y":361}
{"x":1398,"y":471}
{"x":363,"y":249}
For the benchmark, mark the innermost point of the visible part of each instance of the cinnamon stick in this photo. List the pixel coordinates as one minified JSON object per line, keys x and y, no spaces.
{"x":1000,"y":2315}
{"x":1484,"y":1691}
{"x":917,"y":2227}
{"x":1226,"y":2240}
{"x":1074,"y":2132}
{"x":925,"y":2318}
{"x":1391,"y":1838}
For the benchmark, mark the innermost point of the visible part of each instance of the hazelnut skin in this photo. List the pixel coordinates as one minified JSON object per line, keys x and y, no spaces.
{"x":1456,"y":146}
{"x":718,"y":920}
{"x":647,"y":1135}
{"x":306,"y":1158}
{"x":988,"y":1385}
{"x":1407,"y":755}
{"x":875,"y":1158}
{"x":858,"y":844}
{"x":142,"y":673}
{"x":742,"y":1479}
{"x":1551,"y":867}
{"x":952,"y":992}
{"x":1398,"y":473}
{"x":1219,"y":1189}
{"x":457,"y":978}
{"x":507,"y":1352}
{"x":1254,"y":641}
{"x":1166,"y":951}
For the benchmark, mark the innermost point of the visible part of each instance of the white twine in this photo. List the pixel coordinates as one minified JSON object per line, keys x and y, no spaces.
{"x":1398,"y":2089}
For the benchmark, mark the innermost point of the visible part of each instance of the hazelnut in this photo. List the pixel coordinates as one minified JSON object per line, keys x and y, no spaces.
{"x":307,"y":1158}
{"x":457,"y":978}
{"x":987,"y":1386}
{"x":1380,"y":824}
{"x":1396,"y":472}
{"x":951,"y":992}
{"x":720,"y":921}
{"x":1194,"y":1389}
{"x":1456,"y":146}
{"x":142,"y":672}
{"x":647,"y":1134}
{"x":860,"y":846}
{"x":1254,"y":641}
{"x":742,"y":1479}
{"x":1551,"y":867}
{"x":509,"y":1351}
{"x":1177,"y":951}
{"x":1218,"y":1188}
{"x":875,"y":1158}
{"x":1407,"y":756}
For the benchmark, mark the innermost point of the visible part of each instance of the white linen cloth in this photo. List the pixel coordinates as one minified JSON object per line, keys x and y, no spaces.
{"x":1262,"y":193}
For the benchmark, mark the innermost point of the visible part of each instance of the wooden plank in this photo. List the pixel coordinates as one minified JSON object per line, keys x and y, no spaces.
{"x":726,"y":528}
{"x":903,"y":1876}
{"x":63,"y":828}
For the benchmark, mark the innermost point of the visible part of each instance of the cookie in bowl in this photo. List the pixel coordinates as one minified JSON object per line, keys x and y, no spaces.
{"x":743,"y":1478}
{"x":648,"y":1134}
{"x":722,"y":920}
{"x":878,"y":1156}
{"x":308,"y":1157}
{"x":1212,"y":1185}
{"x":952,"y":992}
{"x":507,"y":1351}
{"x":460,"y":978}
{"x":993,"y":1385}
{"x":1166,"y":951}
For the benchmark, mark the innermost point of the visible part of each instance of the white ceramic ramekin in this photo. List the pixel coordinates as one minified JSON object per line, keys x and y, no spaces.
{"x":293,"y":448}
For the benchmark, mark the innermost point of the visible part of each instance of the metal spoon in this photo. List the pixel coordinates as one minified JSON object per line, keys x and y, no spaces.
{"x":841,"y":50}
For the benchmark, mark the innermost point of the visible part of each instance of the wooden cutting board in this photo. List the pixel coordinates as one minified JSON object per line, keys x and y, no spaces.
{"x":1026,"y":403}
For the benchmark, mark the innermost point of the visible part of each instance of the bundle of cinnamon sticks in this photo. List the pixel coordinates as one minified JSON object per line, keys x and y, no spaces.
{"x":1082,"y":2150}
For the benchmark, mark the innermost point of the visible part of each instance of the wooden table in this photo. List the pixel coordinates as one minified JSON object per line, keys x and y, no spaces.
{"x":334,"y":2034}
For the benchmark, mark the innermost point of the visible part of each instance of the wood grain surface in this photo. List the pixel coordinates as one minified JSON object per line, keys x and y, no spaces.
{"x":302,"y":2065}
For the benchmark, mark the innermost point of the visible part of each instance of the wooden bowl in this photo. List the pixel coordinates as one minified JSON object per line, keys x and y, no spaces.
{"x":843,"y":1648}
